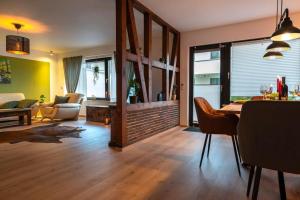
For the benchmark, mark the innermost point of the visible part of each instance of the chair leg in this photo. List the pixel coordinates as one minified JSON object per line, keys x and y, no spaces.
{"x":238,"y":147}
{"x":203,"y":150}
{"x":236,"y":155}
{"x":281,"y":185}
{"x":256,"y":183}
{"x":250,"y":180}
{"x":209,"y":140}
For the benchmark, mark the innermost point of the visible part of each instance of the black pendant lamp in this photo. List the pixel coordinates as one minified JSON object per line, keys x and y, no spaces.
{"x":286,"y":30}
{"x":16,"y":44}
{"x":272,"y":55}
{"x":278,"y":46}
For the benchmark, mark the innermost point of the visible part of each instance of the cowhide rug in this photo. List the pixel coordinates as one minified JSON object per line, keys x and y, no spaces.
{"x":52,"y":133}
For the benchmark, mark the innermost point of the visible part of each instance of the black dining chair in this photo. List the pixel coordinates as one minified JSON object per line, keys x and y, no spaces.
{"x":269,"y":138}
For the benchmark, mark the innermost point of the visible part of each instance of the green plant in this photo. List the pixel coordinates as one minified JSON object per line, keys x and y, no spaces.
{"x":174,"y":90}
{"x":135,"y":85}
{"x":96,"y":72}
{"x":42,"y":98}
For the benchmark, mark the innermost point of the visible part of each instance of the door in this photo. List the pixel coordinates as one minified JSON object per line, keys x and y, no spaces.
{"x":205,"y":78}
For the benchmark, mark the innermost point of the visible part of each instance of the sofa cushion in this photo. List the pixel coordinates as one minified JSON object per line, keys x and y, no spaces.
{"x":26,"y":103}
{"x":61,"y":99}
{"x":74,"y":97}
{"x":6,"y":97}
{"x":9,"y":105}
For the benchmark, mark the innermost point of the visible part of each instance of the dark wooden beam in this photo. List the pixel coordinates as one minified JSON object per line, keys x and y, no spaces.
{"x":148,"y":53}
{"x":157,"y":64}
{"x":118,"y":132}
{"x":134,"y":47}
{"x":178,"y":72}
{"x":165,"y":53}
{"x":173,"y":61}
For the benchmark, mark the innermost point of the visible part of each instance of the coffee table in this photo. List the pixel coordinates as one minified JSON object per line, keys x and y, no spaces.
{"x":17,"y":112}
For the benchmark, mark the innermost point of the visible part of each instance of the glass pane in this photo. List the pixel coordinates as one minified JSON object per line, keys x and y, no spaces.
{"x":207,"y":78}
{"x":250,"y":72}
{"x":157,"y":87}
{"x":157,"y":33}
{"x":95,"y":75}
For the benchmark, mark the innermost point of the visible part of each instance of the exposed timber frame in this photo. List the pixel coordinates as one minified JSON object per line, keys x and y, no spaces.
{"x":143,"y":63}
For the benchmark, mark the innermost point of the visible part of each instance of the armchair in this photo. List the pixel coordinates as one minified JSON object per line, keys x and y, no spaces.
{"x":64,"y":111}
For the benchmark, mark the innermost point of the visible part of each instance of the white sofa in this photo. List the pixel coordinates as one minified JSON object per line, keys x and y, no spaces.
{"x":64,"y":111}
{"x":7,"y":97}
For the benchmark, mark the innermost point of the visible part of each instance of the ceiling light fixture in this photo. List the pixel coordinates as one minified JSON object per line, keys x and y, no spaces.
{"x":286,"y":30}
{"x":52,"y":53}
{"x":278,"y":46}
{"x":272,"y":55}
{"x":16,"y":44}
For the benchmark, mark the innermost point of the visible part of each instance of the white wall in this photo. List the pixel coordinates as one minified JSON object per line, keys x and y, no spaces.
{"x":41,"y":56}
{"x":235,"y":32}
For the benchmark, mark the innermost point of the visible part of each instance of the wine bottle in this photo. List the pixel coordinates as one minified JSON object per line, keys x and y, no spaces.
{"x":285,"y":89}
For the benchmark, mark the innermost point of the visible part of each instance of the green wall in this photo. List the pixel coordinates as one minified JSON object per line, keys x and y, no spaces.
{"x":29,"y":77}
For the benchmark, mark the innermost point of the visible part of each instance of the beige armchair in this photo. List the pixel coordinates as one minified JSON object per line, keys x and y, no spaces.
{"x":64,"y":111}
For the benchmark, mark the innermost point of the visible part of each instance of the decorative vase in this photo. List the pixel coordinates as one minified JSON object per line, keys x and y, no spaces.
{"x":133,"y":99}
{"x":174,"y":97}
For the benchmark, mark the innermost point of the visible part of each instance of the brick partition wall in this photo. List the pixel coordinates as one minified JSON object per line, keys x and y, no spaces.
{"x":143,"y":123}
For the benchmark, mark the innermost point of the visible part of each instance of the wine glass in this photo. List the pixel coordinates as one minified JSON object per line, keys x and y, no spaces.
{"x":264,"y":89}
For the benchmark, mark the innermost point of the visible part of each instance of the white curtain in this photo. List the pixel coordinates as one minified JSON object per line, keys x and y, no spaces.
{"x":112,"y":80}
{"x":82,"y":86}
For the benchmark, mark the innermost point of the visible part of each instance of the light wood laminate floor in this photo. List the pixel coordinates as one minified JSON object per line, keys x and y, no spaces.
{"x":162,"y":167}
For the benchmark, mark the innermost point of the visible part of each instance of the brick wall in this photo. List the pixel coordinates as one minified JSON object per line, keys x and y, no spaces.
{"x":150,"y":121}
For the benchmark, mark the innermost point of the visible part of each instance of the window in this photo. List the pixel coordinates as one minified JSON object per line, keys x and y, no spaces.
{"x":249,"y":71}
{"x":96,"y":79}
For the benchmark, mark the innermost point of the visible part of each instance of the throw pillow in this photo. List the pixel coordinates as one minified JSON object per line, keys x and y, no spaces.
{"x":26,"y":103}
{"x":74,"y":97}
{"x":61,"y":99}
{"x":9,"y":105}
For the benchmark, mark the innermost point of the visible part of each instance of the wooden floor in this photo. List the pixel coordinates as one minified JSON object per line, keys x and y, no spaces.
{"x":162,"y":167}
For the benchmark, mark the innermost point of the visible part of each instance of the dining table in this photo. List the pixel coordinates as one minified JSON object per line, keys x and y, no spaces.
{"x":233,"y":108}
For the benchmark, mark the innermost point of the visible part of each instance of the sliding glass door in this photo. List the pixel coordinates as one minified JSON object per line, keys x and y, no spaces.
{"x":206,"y":78}
{"x":250,"y":72}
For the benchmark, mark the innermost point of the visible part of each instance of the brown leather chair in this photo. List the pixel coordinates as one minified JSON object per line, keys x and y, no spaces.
{"x":212,"y":122}
{"x":269,"y":138}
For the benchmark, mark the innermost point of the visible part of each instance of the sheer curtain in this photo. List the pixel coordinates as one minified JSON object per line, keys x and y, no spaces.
{"x":82,"y":83}
{"x":112,"y":80}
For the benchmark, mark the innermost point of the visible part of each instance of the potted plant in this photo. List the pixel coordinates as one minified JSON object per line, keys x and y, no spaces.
{"x":174,"y":92}
{"x":134,"y":85}
{"x":42,"y":98}
{"x":96,"y":72}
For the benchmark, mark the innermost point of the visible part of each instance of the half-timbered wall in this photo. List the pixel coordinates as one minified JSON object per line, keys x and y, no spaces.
{"x":127,"y":118}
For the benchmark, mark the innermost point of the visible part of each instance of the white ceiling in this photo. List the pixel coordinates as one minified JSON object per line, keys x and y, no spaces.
{"x":187,"y":15}
{"x":77,"y":24}
{"x":72,"y":24}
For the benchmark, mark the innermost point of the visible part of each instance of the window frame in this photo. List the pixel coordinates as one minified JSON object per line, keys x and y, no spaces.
{"x":107,"y":92}
{"x":225,"y":59}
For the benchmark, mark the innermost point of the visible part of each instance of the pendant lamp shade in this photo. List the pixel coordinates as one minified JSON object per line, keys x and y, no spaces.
{"x":17,"y":45}
{"x":272,"y":55}
{"x":287,"y":31}
{"x":278,"y":46}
